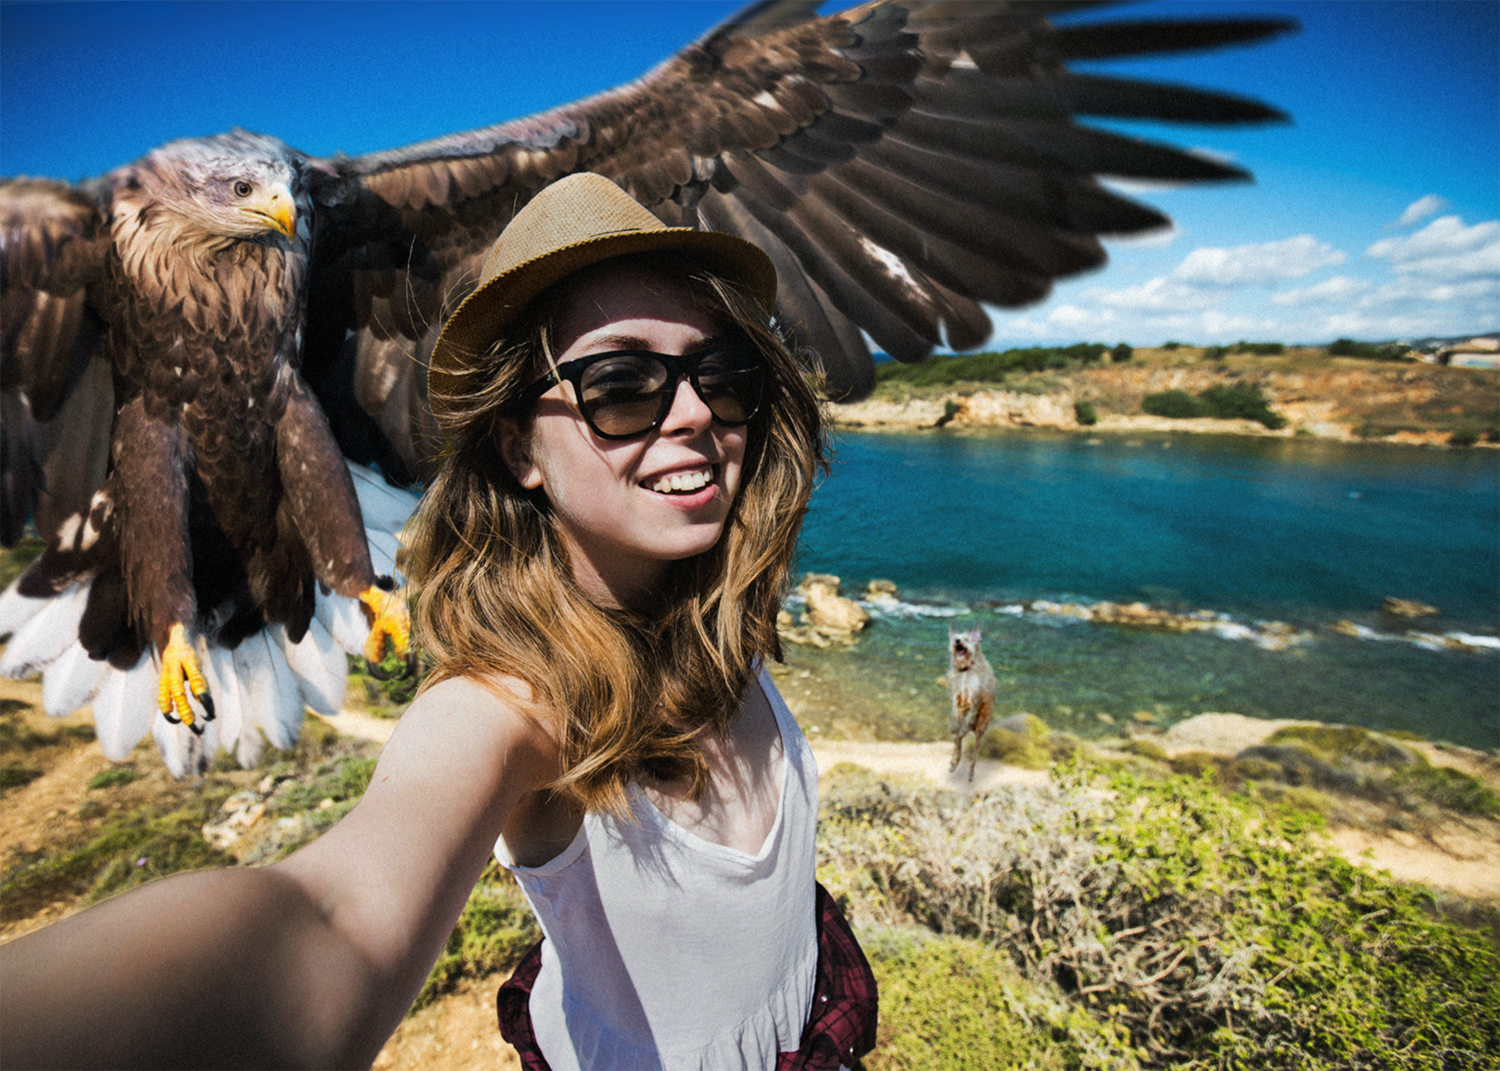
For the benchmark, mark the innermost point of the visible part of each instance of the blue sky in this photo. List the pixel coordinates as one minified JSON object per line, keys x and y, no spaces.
{"x":1375,"y":213}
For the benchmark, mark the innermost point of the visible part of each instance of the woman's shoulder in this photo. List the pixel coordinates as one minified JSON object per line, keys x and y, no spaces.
{"x":503,"y":703}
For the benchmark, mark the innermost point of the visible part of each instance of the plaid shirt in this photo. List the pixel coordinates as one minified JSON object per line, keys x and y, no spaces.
{"x":840,"y":1028}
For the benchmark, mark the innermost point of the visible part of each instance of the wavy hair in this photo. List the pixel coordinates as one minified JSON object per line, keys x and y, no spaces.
{"x":629,"y":694}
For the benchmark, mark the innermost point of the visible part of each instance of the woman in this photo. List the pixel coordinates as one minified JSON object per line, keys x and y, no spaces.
{"x":598,"y":568}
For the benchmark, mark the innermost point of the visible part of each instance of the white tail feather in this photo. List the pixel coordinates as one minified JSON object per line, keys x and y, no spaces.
{"x":17,"y":609}
{"x":272,"y":701}
{"x":218,"y":669}
{"x":319,"y":666}
{"x":41,"y":640}
{"x":185,"y":752}
{"x":71,"y":681}
{"x":125,"y":708}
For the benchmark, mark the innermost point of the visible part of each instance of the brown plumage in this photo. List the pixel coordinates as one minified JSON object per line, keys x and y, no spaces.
{"x":167,"y":361}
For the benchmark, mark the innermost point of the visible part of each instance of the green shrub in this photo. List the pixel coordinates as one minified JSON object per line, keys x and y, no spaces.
{"x":1463,"y":437}
{"x":1085,"y":413}
{"x":943,"y":371}
{"x":949,"y":1003}
{"x":1121,"y":353}
{"x":1229,"y":401}
{"x":1370,"y":351}
{"x":1221,"y":401}
{"x":1215,"y":353}
{"x":1259,"y":349}
{"x":1214,"y":928}
{"x":1177,"y":404}
{"x":1170,"y":346}
{"x":1016,"y":749}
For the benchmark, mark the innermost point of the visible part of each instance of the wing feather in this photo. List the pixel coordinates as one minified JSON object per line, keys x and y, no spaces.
{"x":854,"y":144}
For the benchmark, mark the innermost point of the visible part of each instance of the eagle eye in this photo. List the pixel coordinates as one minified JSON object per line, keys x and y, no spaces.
{"x":242,"y":188}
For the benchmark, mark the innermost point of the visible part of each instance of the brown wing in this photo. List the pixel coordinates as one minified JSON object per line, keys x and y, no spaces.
{"x":56,"y":394}
{"x":901,"y":163}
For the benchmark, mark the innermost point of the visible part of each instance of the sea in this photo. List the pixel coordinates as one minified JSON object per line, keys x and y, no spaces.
{"x":1282,"y":550}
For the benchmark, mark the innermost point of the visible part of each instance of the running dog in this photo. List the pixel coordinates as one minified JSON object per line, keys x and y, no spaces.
{"x":972,"y":683}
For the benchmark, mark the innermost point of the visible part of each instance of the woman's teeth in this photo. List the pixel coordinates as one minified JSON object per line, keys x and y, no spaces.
{"x":681,"y":482}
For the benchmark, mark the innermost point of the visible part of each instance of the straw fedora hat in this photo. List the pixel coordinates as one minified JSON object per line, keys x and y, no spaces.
{"x":575,"y":222}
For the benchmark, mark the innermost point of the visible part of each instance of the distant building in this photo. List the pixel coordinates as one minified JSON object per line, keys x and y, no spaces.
{"x":1481,"y":352}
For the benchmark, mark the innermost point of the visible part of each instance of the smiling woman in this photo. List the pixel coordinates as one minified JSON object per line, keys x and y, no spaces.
{"x":599,"y":566}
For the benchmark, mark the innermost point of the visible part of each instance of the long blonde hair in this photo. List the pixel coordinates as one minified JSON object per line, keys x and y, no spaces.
{"x":629,"y":694}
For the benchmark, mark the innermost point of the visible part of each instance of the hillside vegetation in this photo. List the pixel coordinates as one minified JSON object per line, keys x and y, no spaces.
{"x":1359,"y":391}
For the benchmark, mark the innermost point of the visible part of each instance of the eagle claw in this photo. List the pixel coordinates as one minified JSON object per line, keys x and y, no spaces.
{"x":180,"y":675}
{"x":390,"y":632}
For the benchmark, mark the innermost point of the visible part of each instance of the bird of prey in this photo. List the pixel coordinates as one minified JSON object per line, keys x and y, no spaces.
{"x":210,"y":357}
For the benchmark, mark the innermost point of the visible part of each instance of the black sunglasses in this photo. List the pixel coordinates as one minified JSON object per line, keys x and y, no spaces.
{"x":623,"y":394}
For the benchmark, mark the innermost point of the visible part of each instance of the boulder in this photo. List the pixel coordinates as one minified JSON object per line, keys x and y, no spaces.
{"x":1407,"y":608}
{"x":827,"y":610}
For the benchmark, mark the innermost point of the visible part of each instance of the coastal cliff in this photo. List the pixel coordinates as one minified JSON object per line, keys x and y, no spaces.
{"x":1317,"y":395}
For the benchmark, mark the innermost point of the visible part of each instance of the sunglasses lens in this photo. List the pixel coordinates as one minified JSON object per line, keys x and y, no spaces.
{"x":729,"y":382}
{"x":623,"y":393}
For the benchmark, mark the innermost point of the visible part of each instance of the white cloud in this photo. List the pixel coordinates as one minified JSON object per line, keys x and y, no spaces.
{"x":1338,"y":289}
{"x":1444,"y":249}
{"x":1160,"y":294}
{"x":1264,"y":264}
{"x":1428,"y":205}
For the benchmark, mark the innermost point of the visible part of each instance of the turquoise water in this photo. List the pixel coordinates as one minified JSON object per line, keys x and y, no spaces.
{"x":1304,"y":532}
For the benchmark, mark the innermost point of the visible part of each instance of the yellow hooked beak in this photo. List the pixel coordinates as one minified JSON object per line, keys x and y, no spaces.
{"x":274,"y":208}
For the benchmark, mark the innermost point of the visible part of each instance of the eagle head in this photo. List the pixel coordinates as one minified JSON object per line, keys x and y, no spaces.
{"x":239,"y":186}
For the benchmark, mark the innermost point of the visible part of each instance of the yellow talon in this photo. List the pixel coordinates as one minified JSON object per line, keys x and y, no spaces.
{"x":178,"y":665}
{"x":390,"y":624}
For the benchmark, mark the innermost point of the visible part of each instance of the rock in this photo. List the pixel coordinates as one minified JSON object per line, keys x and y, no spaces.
{"x":827,"y":610}
{"x":881,"y":589}
{"x":1407,"y":608}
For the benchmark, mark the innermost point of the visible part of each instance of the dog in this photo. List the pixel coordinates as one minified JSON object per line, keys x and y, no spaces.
{"x":972,"y":683}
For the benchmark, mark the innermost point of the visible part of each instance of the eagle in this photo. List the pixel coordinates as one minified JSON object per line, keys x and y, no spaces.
{"x":213,"y":359}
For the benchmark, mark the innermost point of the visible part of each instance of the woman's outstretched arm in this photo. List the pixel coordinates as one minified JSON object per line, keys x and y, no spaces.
{"x":311,"y":962}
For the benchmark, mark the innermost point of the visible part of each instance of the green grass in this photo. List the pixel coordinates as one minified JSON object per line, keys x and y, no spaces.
{"x":132,"y":848}
{"x":493,"y":933}
{"x":14,"y":561}
{"x":119,"y":775}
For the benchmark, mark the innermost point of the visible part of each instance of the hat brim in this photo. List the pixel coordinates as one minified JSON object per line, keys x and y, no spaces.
{"x":489,"y":310}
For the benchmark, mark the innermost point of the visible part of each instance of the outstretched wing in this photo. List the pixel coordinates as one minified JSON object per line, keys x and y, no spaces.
{"x":56,"y":394}
{"x":902,"y":163}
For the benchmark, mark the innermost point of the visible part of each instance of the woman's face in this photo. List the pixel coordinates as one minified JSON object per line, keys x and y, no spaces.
{"x":628,"y":508}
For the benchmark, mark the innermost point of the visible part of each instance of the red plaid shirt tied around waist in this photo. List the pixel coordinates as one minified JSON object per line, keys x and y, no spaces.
{"x":840,"y":1028}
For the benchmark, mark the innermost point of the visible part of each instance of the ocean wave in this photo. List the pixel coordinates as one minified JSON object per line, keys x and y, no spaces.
{"x":1269,"y":635}
{"x":1427,"y":641}
{"x":890,"y":606}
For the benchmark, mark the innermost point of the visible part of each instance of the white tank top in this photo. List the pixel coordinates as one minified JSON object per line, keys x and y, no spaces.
{"x":665,"y":950}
